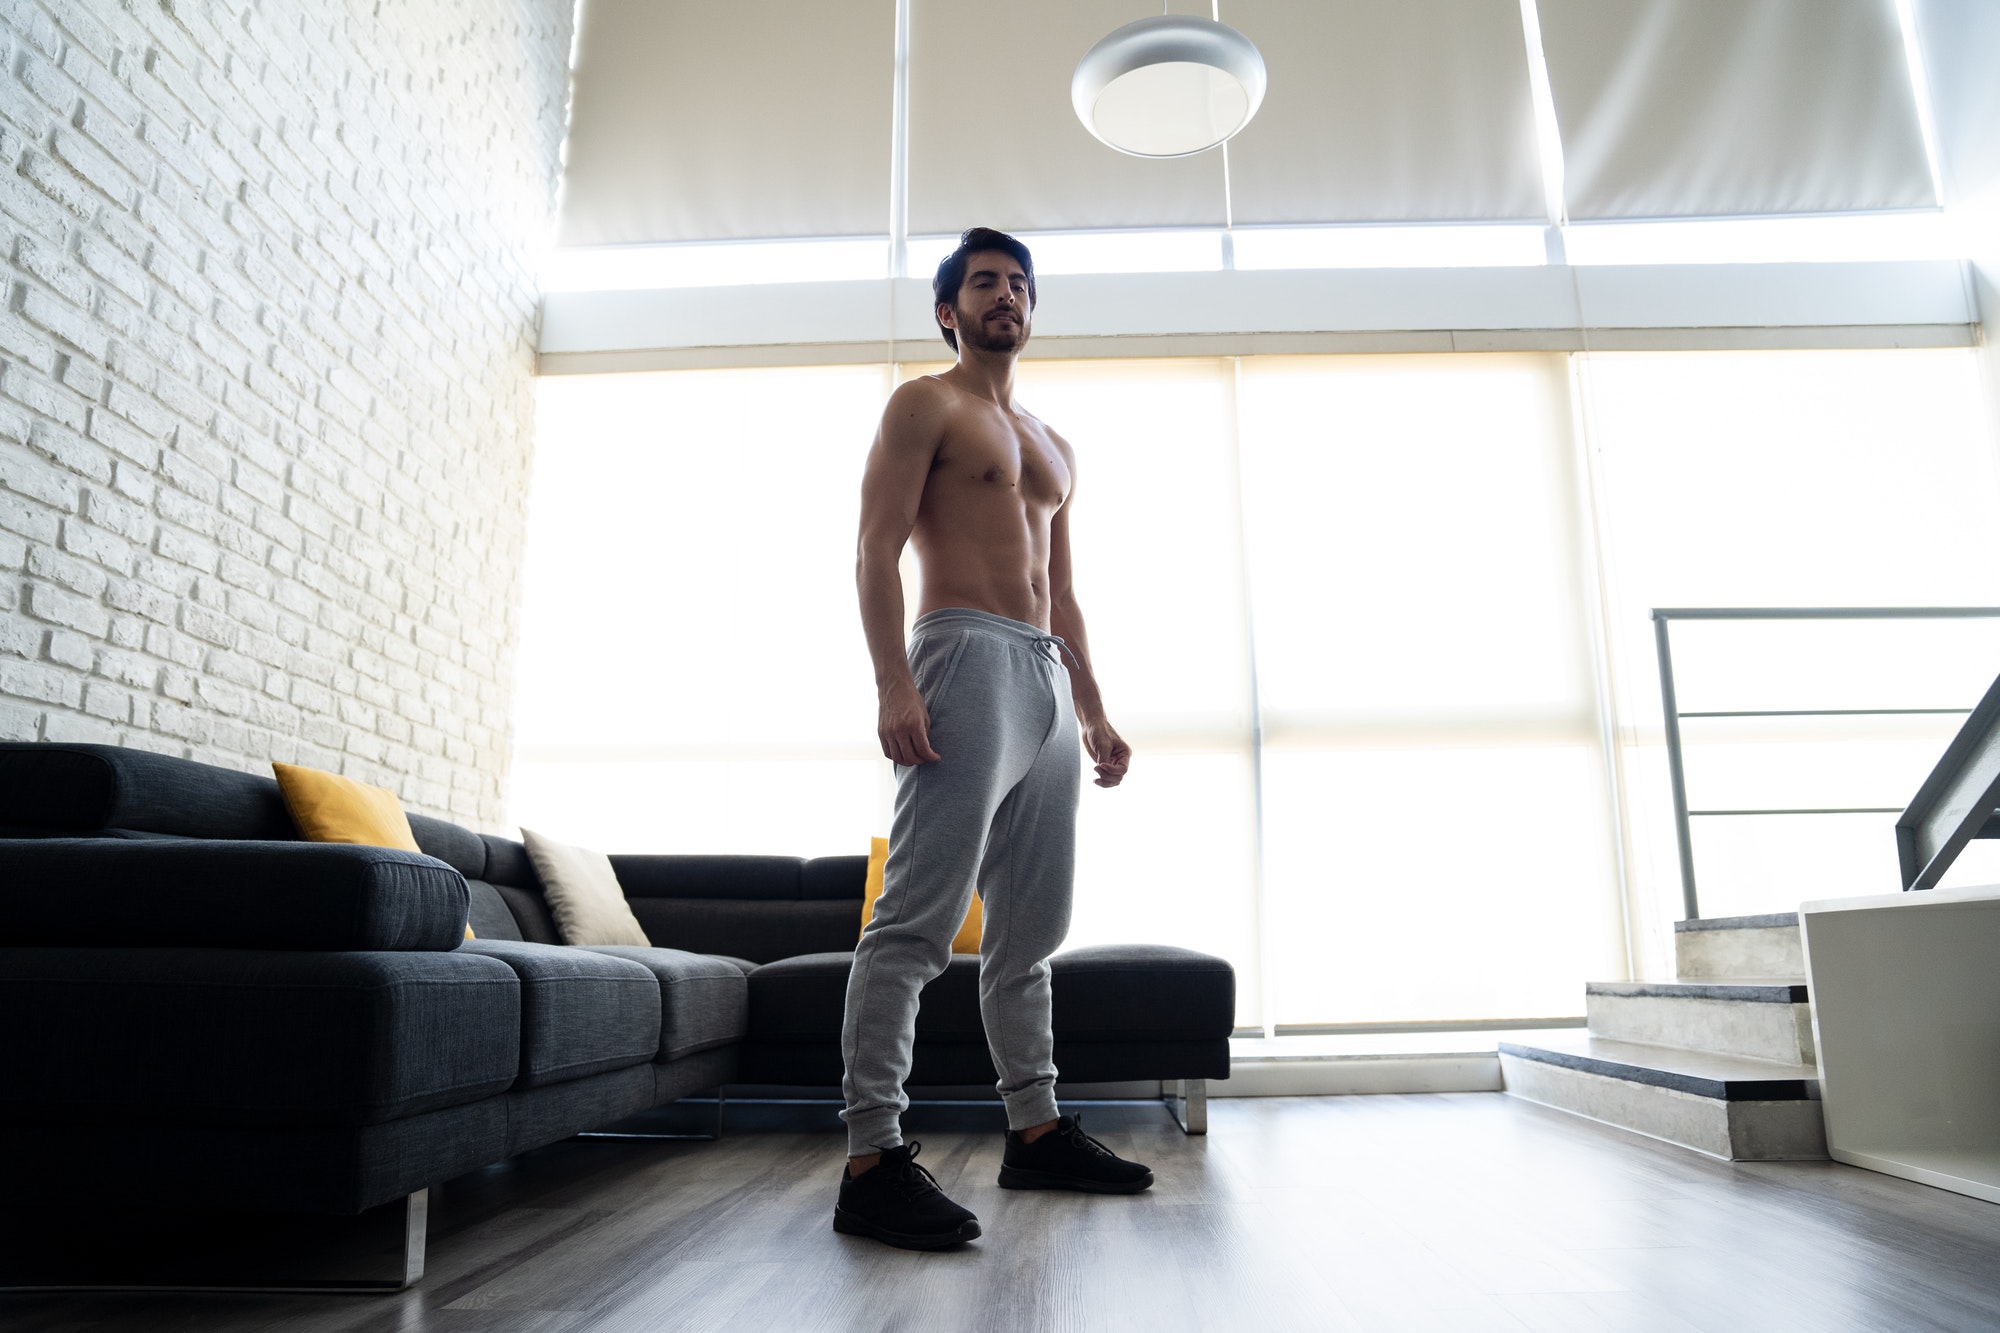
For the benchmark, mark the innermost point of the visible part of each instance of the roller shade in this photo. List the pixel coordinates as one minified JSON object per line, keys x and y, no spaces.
{"x":1416,"y":110}
{"x":755,"y":118}
{"x":994,"y":142}
{"x":1961,"y":45}
{"x":1688,"y":108}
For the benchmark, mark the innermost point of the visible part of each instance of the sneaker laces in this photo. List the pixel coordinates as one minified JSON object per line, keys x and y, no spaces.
{"x":1083,"y":1141}
{"x":915,"y":1181}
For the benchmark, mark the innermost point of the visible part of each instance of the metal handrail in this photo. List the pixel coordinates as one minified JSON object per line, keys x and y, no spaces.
{"x":1663,"y":616}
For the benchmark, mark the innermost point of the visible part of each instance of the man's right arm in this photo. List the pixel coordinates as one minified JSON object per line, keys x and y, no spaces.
{"x":892,"y":488}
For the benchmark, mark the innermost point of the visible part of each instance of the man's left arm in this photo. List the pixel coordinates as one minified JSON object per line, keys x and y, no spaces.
{"x":1106,"y":747}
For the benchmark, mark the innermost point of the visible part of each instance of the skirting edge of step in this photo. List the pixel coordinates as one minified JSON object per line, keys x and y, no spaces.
{"x":1777,"y":1089}
{"x":1740,"y":1131}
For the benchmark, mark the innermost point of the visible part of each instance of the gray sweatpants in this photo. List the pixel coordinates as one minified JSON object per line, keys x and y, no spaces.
{"x":996,"y":811}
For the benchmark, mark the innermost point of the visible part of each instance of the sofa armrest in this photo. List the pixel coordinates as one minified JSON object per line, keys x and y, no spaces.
{"x":195,"y":893}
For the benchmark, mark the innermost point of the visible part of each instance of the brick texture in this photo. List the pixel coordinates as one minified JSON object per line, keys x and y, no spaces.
{"x":267,"y":327}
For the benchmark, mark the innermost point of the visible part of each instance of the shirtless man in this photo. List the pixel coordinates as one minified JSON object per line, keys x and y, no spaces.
{"x":981,"y":715}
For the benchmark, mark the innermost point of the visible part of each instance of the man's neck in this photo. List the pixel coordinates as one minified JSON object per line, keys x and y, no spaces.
{"x":988,"y":375}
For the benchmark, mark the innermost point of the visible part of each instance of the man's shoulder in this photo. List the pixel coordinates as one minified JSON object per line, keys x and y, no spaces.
{"x":925,"y":391}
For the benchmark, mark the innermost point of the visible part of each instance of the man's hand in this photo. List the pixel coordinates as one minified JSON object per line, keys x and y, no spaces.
{"x":904,"y":726}
{"x":1109,"y":751}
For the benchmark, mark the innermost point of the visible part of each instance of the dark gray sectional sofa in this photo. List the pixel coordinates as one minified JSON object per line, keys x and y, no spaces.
{"x":200,"y":1010}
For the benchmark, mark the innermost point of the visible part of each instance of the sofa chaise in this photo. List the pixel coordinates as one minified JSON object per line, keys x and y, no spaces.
{"x":203,"y":1011}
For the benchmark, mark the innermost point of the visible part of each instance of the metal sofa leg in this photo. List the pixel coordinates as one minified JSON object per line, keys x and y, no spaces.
{"x":416,"y":1227}
{"x":1187,"y":1101}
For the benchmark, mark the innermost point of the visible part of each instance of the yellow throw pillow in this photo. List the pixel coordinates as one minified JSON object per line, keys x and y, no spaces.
{"x":967,"y":939}
{"x":331,"y":808}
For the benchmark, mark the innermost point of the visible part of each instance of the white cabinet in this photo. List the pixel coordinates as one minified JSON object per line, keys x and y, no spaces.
{"x":1905,"y":994}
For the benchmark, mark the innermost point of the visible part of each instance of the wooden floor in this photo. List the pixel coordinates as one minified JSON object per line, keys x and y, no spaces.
{"x":1456,"y":1212}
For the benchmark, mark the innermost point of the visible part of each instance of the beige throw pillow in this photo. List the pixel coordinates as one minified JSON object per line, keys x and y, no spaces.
{"x":583,"y":893}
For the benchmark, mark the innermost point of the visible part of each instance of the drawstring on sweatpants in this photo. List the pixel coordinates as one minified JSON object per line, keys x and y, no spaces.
{"x":1062,"y":649}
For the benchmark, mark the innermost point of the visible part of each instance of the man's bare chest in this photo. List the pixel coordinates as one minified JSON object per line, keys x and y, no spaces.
{"x":1002,"y":460}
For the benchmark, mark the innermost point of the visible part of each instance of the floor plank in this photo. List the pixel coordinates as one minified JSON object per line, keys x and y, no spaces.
{"x":1456,"y":1212}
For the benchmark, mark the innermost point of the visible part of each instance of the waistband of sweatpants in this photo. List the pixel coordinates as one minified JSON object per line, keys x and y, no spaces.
{"x":1031,"y":637}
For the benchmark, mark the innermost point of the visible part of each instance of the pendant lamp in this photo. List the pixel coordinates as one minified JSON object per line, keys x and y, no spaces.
{"x":1168,"y":86}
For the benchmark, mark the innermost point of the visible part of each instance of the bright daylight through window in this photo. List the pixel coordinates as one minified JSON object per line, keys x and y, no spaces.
{"x":1410,"y":549}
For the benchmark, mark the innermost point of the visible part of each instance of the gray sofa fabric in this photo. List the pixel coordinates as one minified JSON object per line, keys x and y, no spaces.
{"x":1111,"y":993}
{"x":1126,"y":992}
{"x":176,"y":893}
{"x":704,"y":1002}
{"x":582,"y":1013}
{"x":544,"y":1114}
{"x":707,"y":1071}
{"x":805,"y":999}
{"x":84,"y":788}
{"x":489,"y":915}
{"x":738,"y":878}
{"x":966,"y":1064}
{"x":762,"y":931}
{"x":762,"y":908}
{"x":250,"y":1037}
{"x":313,"y":1169}
{"x":460,"y":848}
{"x":204,"y":1011}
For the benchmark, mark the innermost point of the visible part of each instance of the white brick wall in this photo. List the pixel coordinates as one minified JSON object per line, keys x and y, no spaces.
{"x":266,"y":349}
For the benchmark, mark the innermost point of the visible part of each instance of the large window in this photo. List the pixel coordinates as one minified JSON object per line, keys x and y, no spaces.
{"x":1361,"y":618}
{"x":1790,"y":479}
{"x":1436,"y":819}
{"x":692,"y":669}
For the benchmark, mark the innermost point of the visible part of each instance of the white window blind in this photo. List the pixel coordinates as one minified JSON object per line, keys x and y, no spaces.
{"x":1828,"y":478}
{"x":1417,"y":110}
{"x":1437,"y":839}
{"x":757,"y":118}
{"x":692,"y":671}
{"x":1960,"y":41}
{"x":1685,"y":108}
{"x":994,"y":141}
{"x":1168,"y":856}
{"x":1437,"y":836}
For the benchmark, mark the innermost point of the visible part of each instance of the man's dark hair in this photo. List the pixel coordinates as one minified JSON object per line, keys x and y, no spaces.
{"x":951,"y":273}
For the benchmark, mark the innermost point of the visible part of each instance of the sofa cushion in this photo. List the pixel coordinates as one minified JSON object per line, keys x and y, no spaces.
{"x":832,"y":877}
{"x":507,"y":863}
{"x":85,"y":788}
{"x":806,"y":997}
{"x":750,"y":878}
{"x":513,"y":877}
{"x":531,"y":914}
{"x":1106,"y":992}
{"x":1142,"y":992}
{"x":704,"y":1002}
{"x":582,"y":1013}
{"x":488,"y":913}
{"x":759,"y":931}
{"x":165,"y":893}
{"x":249,"y":1037}
{"x":817,"y":1063}
{"x":460,"y":848}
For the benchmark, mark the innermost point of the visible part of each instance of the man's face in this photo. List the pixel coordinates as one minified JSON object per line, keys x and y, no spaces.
{"x":991,"y":312}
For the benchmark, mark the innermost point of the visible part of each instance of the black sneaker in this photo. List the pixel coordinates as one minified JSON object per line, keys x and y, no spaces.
{"x":1066,"y":1158}
{"x":899,"y":1203}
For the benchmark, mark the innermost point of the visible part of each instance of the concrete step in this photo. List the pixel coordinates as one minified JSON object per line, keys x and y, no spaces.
{"x":1761,"y":1020}
{"x":1730,"y":1107}
{"x":1721,"y":947}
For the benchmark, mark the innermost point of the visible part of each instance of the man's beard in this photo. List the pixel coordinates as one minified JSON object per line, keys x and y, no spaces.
{"x":999,"y":337}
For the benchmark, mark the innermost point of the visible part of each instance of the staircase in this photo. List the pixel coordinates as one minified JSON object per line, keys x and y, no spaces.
{"x":1720,"y":1060}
